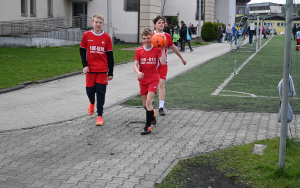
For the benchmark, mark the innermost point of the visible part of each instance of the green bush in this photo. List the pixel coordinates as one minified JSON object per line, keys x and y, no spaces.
{"x":209,"y":31}
{"x":174,"y":21}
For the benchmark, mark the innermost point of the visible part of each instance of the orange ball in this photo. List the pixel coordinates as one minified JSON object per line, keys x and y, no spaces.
{"x":159,"y":40}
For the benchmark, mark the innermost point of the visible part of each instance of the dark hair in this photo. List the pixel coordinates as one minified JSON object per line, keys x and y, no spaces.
{"x":158,"y":18}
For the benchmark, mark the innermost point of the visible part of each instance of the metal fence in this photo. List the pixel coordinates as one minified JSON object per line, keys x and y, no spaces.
{"x":56,"y":28}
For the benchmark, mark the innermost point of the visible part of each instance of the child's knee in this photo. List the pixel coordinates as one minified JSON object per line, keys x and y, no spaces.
{"x":161,"y":85}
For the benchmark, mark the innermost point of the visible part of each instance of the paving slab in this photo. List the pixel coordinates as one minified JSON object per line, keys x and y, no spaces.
{"x":48,"y":140}
{"x":79,"y":154}
{"x":65,"y":99}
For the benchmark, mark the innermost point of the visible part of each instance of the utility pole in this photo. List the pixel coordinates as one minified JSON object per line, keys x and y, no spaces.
{"x":198,"y":38}
{"x":285,"y":86}
{"x":109,"y":20}
{"x":260,"y":33}
{"x":257,"y":35}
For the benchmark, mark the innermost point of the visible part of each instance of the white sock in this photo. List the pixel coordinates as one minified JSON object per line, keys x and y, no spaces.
{"x":161,"y":104}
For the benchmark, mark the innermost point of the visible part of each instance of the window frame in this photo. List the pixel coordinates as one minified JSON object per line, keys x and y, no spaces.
{"x":50,"y":8}
{"x":32,"y":8}
{"x":24,"y":8}
{"x":280,"y":24}
{"x":129,"y":8}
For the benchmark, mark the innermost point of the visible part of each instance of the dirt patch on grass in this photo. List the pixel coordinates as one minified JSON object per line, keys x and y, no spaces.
{"x":199,"y":176}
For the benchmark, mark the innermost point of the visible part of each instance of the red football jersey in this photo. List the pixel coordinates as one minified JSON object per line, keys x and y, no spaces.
{"x":169,"y":43}
{"x":96,"y":45}
{"x":148,"y":62}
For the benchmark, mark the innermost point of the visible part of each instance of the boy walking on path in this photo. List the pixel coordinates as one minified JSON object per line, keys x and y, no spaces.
{"x":96,"y":53}
{"x":147,"y":59}
{"x":163,"y":69}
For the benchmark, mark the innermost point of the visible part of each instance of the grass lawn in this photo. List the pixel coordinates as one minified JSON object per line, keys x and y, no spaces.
{"x":260,"y":77}
{"x":246,"y":168}
{"x":20,"y":65}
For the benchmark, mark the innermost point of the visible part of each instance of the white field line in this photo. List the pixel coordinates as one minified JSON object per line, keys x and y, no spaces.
{"x":220,"y":88}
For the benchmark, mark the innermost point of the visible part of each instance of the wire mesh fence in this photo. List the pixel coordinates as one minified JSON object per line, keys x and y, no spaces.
{"x":56,"y":28}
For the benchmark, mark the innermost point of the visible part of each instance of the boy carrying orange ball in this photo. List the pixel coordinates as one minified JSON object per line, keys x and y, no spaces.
{"x":146,"y":63}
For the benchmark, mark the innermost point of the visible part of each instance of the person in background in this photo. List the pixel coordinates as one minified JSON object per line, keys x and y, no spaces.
{"x":235,"y":32}
{"x":219,"y":34}
{"x":224,"y":33}
{"x":166,"y":28}
{"x":193,"y":29}
{"x":294,"y":31}
{"x":186,"y":35}
{"x":229,"y":33}
{"x":176,"y":37}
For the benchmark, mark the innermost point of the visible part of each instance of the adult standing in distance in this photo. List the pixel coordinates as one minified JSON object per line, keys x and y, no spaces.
{"x":163,"y":69}
{"x":96,"y":53}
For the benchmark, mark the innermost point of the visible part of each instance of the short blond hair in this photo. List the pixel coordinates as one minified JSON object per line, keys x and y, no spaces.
{"x":146,"y":31}
{"x":100,"y":16}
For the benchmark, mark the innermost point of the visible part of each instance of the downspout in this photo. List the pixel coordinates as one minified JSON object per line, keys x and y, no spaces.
{"x":162,"y":13}
{"x":139,"y":16}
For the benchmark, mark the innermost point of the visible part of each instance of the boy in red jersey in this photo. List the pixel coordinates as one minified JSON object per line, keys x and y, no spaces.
{"x":163,"y":69}
{"x":146,"y":62}
{"x":96,"y":53}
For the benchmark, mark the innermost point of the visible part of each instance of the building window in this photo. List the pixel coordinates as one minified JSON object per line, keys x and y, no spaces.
{"x":24,"y":8}
{"x":131,"y":5}
{"x":50,"y":8}
{"x":280,"y":24}
{"x":33,"y":8}
{"x":202,"y":10}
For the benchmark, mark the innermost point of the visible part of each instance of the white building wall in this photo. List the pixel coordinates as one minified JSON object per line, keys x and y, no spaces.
{"x":187,"y":10}
{"x":11,"y":9}
{"x":232,"y":11}
{"x":225,"y":11}
{"x":126,"y":23}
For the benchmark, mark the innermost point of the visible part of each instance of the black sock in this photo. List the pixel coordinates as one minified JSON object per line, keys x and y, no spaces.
{"x":149,"y":117}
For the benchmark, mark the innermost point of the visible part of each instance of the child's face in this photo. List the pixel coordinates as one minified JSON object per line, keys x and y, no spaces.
{"x":97,"y":24}
{"x":147,"y":40}
{"x":159,"y":25}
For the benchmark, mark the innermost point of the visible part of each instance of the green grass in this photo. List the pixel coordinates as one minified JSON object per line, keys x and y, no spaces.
{"x":247,"y":168}
{"x":193,"y":89}
{"x":20,"y":65}
{"x":194,"y":43}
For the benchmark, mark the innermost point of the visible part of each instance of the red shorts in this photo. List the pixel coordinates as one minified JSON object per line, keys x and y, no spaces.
{"x":93,"y":78}
{"x":163,"y":70}
{"x":146,"y":87}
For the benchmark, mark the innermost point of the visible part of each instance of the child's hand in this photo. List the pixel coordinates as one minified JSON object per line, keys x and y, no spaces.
{"x":109,"y":78}
{"x":85,"y":70}
{"x":141,"y":75}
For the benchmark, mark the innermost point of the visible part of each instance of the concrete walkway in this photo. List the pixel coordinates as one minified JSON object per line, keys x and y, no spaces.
{"x":65,"y":99}
{"x":70,"y":151}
